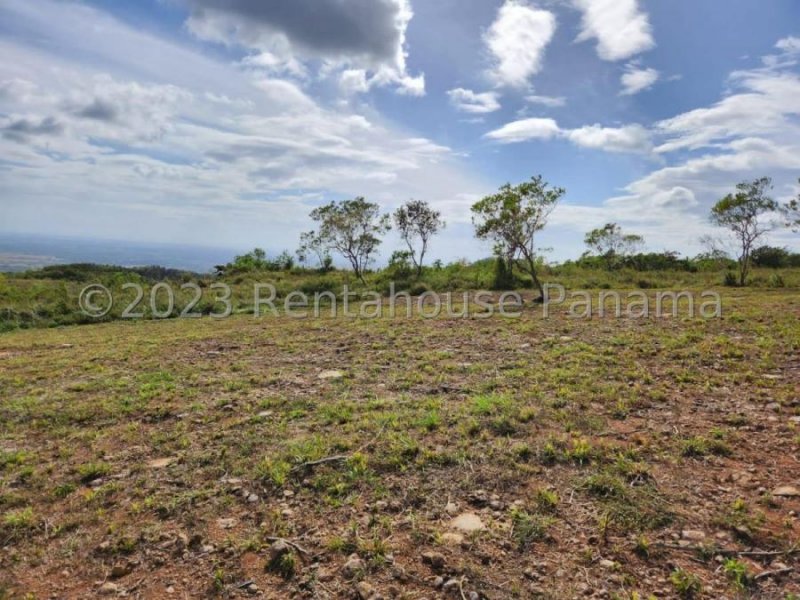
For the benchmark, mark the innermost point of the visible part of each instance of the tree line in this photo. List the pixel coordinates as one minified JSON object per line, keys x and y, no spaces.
{"x":511,"y":219}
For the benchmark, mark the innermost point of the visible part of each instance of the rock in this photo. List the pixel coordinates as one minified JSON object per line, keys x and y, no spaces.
{"x":774,"y":407}
{"x":170,"y":590}
{"x":252,"y":498}
{"x":786,"y":491}
{"x":479,"y":498}
{"x":278,"y":549}
{"x":451,"y":586}
{"x":451,"y":509}
{"x":108,"y":589}
{"x":435,"y":559}
{"x":226,"y":523}
{"x":160,"y":463}
{"x":452,"y":539}
{"x":474,"y":596}
{"x":353,"y":567}
{"x":264,"y":414}
{"x":121,"y":570}
{"x":693,"y":535}
{"x":608,"y":564}
{"x":467,"y":522}
{"x":438,"y":582}
{"x":331,"y":375}
{"x":365,"y":590}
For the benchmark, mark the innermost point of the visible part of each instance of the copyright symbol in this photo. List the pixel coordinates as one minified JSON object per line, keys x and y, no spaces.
{"x":95,"y":301}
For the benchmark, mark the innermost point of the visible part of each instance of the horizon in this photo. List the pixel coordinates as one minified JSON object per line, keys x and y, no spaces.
{"x":214,"y":127}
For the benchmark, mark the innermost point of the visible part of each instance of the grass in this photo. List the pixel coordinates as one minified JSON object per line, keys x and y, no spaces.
{"x":574,"y":442}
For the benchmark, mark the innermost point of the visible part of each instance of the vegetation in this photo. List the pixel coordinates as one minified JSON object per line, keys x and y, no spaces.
{"x":611,"y":245}
{"x":352,"y":228}
{"x":512,"y":218}
{"x":150,"y":454}
{"x":417,"y":222}
{"x":743,"y":214}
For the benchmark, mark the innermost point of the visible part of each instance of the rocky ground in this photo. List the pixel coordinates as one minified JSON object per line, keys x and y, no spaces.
{"x":480,"y":458}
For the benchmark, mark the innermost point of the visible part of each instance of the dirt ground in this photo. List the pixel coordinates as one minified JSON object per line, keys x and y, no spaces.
{"x":405,"y":458}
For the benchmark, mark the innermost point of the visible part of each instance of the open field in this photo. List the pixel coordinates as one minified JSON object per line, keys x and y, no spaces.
{"x":595,"y":458}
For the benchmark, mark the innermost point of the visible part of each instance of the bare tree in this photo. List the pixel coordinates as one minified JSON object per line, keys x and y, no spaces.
{"x":743,"y":214}
{"x":417,"y":221}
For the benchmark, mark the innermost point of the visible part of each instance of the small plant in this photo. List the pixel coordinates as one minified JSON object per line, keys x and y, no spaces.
{"x":22,"y":518}
{"x":546,"y":501}
{"x":642,"y":547}
{"x":737,"y":571}
{"x":581,"y":452}
{"x":686,"y":584}
{"x":284,"y":564}
{"x":91,"y":471}
{"x":527,"y":528}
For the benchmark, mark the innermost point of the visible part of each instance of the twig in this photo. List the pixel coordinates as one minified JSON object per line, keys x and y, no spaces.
{"x":728,"y":552}
{"x":461,"y":588}
{"x":294,"y":545}
{"x":241,"y":586}
{"x":775,"y":573}
{"x":339,"y":457}
{"x":321,"y":461}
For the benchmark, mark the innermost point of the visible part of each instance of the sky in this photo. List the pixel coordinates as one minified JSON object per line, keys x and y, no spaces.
{"x":223,"y":123}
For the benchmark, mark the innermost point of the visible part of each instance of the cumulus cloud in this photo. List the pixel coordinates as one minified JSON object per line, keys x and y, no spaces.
{"x":525,"y":130}
{"x":358,"y":34}
{"x":621,"y":29}
{"x":472,"y":102}
{"x":20,"y":130}
{"x":630,"y":138}
{"x":218,"y":153}
{"x":517,"y":40}
{"x":549,"y":101}
{"x":636,"y":79}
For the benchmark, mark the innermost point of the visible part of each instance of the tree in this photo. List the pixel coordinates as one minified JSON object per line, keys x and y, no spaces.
{"x":742,"y":213}
{"x":416,"y":220}
{"x":353,"y":229}
{"x":609,"y":243}
{"x":512,"y":217}
{"x":792,"y":213}
{"x":311,"y":244}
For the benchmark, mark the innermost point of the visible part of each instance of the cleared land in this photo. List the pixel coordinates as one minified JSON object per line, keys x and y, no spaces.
{"x":602,"y":458}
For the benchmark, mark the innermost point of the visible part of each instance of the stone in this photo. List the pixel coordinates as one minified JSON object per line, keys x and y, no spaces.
{"x":333,"y":375}
{"x":365,"y":590}
{"x":160,"y":463}
{"x":451,"y":585}
{"x":435,"y":559}
{"x":608,"y":564}
{"x":278,"y":549}
{"x":451,"y":509}
{"x":226,"y":523}
{"x":452,"y":539}
{"x":786,"y":491}
{"x":353,"y":567}
{"x":693,"y":535}
{"x":108,"y":589}
{"x":467,"y":522}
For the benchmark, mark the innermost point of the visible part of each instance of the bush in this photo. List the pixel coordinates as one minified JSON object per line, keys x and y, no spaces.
{"x":730,"y":280}
{"x":776,"y":281}
{"x":503,"y":276}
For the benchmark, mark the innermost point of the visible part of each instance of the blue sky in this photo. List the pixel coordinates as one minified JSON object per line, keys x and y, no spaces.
{"x":224,"y":122}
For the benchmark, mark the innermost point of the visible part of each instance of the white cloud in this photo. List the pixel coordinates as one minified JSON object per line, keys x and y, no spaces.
{"x":517,"y":41}
{"x":524,"y":130}
{"x":764,"y":104}
{"x":790,"y":45}
{"x":353,"y":35}
{"x":636,"y":79}
{"x":122,"y":134}
{"x":630,"y":138}
{"x":621,"y":29}
{"x":472,"y":102}
{"x":549,"y":101}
